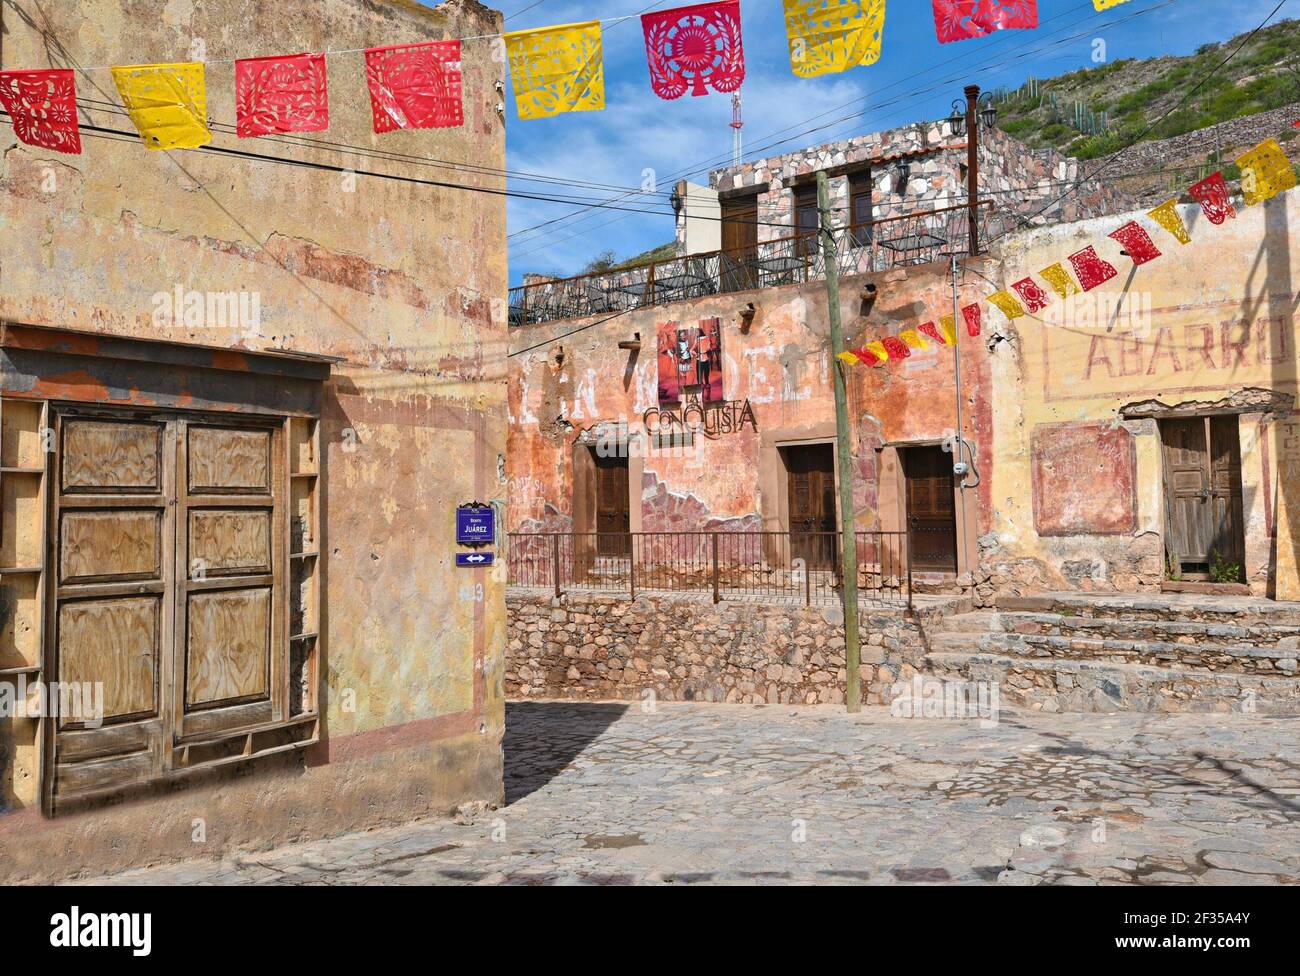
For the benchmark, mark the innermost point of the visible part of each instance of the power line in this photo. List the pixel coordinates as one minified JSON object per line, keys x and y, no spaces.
{"x":1177,"y":105}
{"x":990,"y":64}
{"x":118,"y":134}
{"x":1246,"y":39}
{"x":754,"y":150}
{"x":606,"y":21}
{"x":305,"y":142}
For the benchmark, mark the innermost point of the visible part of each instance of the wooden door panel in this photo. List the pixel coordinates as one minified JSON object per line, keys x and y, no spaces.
{"x":739,"y":243}
{"x":111,"y":456}
{"x":113,"y":642}
{"x":613,"y":508}
{"x":811,"y":472}
{"x":104,"y":545}
{"x":931,"y":507}
{"x":230,"y":541}
{"x":1227,"y":524}
{"x":223,"y":459}
{"x":108,"y":614}
{"x":228,"y":646}
{"x":232,"y":605}
{"x":1187,"y":481}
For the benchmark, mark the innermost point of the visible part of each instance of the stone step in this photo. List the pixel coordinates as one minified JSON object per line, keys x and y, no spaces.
{"x":1281,"y":635}
{"x":1209,"y":656}
{"x":1235,"y":610}
{"x":1100,"y":686}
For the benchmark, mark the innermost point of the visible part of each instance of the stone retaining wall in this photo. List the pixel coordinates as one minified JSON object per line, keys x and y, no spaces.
{"x":685,"y":648}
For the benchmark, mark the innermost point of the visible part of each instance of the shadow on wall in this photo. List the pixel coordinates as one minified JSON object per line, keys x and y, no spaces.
{"x":1281,"y":300}
{"x":543,"y":738}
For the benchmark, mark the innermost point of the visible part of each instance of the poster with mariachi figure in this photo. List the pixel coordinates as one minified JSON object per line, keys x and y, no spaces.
{"x":669,"y":383}
{"x":690,"y":360}
{"x":708,"y":360}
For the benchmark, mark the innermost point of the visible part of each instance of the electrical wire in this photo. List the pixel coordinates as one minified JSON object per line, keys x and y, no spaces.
{"x":1177,"y":105}
{"x":1205,"y":80}
{"x":996,"y":61}
{"x":118,"y":134}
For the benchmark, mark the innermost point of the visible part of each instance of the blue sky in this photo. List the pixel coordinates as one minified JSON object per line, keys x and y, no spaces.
{"x":915,"y":78}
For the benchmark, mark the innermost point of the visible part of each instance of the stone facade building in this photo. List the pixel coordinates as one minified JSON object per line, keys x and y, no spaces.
{"x":238,"y":525}
{"x":894,"y":173}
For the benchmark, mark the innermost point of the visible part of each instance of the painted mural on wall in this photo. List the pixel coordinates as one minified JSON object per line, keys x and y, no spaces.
{"x":690,"y":360}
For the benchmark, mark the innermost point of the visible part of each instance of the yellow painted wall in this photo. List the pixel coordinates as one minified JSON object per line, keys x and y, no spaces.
{"x":405,"y":282}
{"x":1204,"y":322}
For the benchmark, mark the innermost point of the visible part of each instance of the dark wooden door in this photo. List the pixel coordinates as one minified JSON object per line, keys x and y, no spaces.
{"x":1202,"y":460}
{"x":739,"y":243}
{"x":811,"y":472}
{"x":613,"y":520}
{"x":931,"y":509}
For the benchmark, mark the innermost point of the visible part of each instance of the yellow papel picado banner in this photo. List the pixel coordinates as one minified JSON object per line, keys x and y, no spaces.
{"x":167,"y":103}
{"x":833,"y":35}
{"x":557,"y":69}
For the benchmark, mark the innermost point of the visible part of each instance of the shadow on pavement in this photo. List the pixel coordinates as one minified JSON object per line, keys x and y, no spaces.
{"x":543,"y":738}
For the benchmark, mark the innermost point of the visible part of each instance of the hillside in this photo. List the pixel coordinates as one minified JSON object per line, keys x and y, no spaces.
{"x":1096,"y":111}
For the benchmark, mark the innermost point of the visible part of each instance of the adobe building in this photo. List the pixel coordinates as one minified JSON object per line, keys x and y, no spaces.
{"x":1130,"y":444}
{"x":899,"y":203}
{"x":240,"y":403}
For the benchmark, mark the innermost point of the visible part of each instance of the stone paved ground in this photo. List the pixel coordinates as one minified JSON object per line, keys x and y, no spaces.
{"x":694,"y":794}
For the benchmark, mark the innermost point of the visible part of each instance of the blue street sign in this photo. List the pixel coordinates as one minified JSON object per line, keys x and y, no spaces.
{"x":471,"y":560}
{"x":475,"y":526}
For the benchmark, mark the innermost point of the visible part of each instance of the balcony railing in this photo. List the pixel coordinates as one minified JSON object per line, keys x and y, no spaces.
{"x":795,"y":567}
{"x":892,"y":242}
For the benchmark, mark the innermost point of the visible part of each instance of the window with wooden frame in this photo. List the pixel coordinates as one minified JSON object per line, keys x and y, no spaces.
{"x":807,"y":217}
{"x":861,"y":207}
{"x":167,"y":564}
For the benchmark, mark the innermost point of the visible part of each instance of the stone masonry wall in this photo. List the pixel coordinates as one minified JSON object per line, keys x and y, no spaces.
{"x":685,"y":648}
{"x":1231,"y":137}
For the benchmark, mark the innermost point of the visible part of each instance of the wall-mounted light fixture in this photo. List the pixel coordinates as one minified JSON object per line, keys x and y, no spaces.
{"x":746,"y":317}
{"x":904,"y":170}
{"x":989,"y":112}
{"x":867,"y":300}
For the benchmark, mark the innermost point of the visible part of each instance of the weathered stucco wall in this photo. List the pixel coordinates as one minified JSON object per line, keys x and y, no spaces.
{"x":583,"y":385}
{"x":1209,"y":324}
{"x":1063,"y":408}
{"x":402,"y":281}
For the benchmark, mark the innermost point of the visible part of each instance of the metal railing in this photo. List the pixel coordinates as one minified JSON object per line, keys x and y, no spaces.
{"x":799,"y":567}
{"x":879,"y":245}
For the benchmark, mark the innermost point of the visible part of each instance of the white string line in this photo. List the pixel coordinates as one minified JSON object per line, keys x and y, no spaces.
{"x":356,"y":50}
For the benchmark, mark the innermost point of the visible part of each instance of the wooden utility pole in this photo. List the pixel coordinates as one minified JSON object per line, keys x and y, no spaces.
{"x":973,"y":165}
{"x":844,"y":452}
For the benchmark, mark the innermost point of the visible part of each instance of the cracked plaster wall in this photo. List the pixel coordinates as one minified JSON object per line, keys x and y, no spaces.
{"x":406,"y":283}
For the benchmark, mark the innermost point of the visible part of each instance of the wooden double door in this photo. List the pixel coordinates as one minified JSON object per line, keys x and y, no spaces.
{"x":931,"y":508}
{"x":167,"y":541}
{"x":1203,"y":501}
{"x":810,"y":469}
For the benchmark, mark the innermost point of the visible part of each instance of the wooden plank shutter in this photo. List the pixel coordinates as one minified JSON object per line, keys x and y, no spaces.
{"x":110,"y":617}
{"x":230,"y":557}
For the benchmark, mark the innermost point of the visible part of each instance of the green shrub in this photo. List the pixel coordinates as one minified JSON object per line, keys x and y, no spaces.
{"x":1222,"y":571}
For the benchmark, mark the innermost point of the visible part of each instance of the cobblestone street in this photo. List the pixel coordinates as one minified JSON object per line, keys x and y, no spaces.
{"x":694,"y":794}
